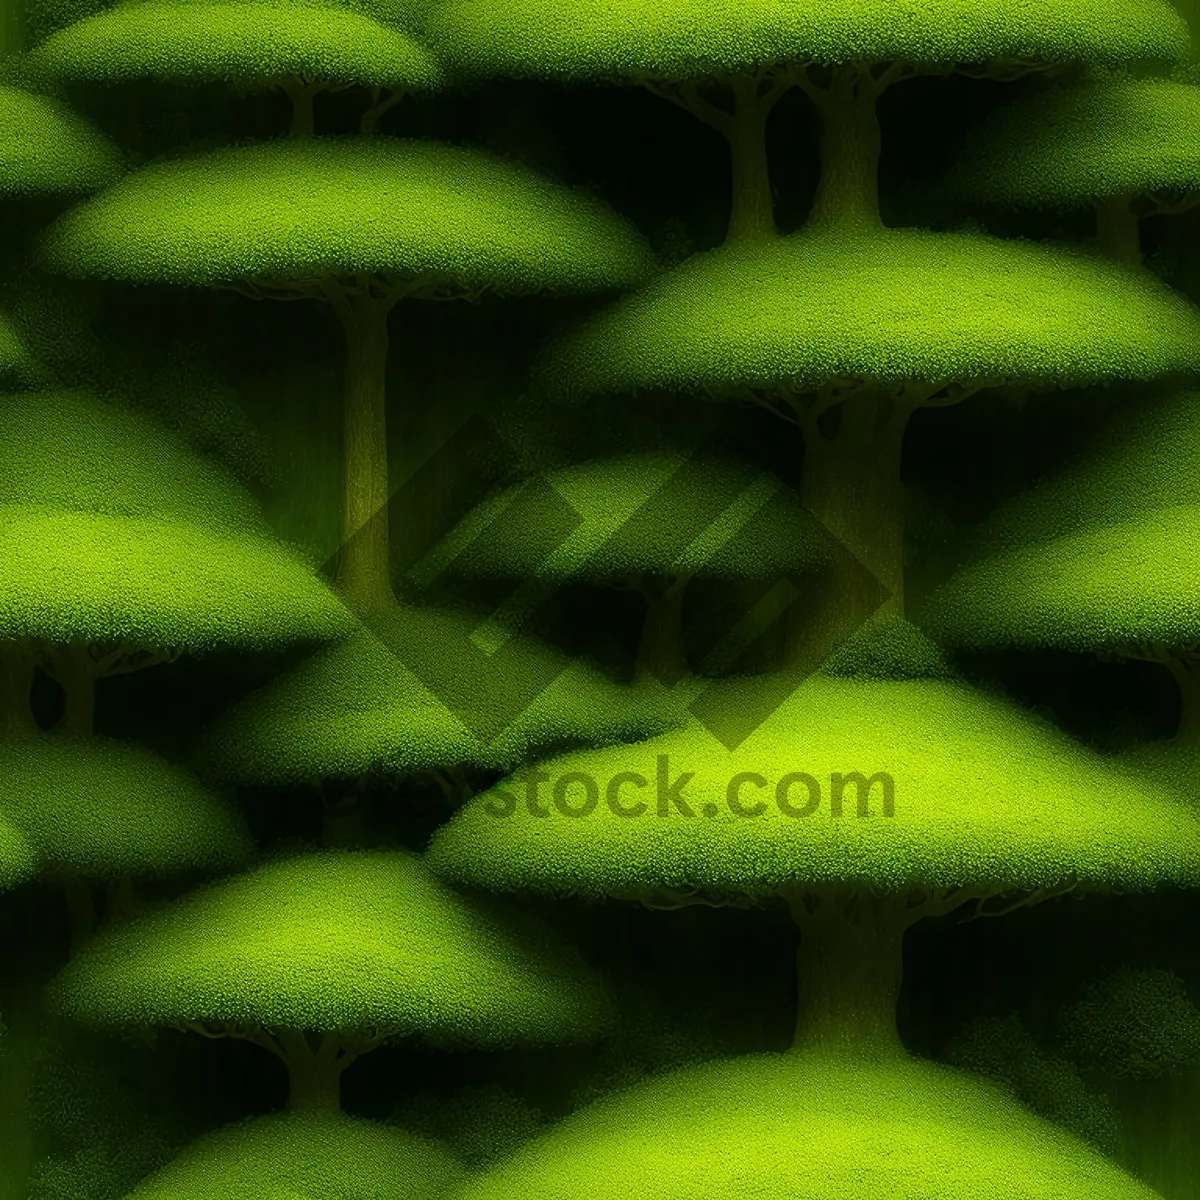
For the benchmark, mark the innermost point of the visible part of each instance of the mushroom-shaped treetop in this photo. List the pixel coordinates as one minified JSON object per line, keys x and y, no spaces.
{"x":45,"y":149}
{"x":348,"y":948}
{"x":359,"y":223}
{"x":867,"y":799}
{"x":879,"y":324}
{"x":843,"y":54}
{"x":418,"y":695}
{"x":121,"y":545}
{"x":1100,"y":555}
{"x":780,"y":1126}
{"x":302,"y":46}
{"x":1110,"y":142}
{"x":650,"y":521}
{"x":95,"y":809}
{"x":295,"y":1156}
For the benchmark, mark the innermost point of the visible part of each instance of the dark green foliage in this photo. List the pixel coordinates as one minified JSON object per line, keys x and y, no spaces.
{"x":446,"y":218}
{"x":18,"y":859}
{"x":761,"y":530}
{"x":1004,"y":1052}
{"x":46,"y":149}
{"x":1136,"y":1024}
{"x":305,"y":1157}
{"x":96,"y":1130}
{"x":258,"y":42}
{"x":779,"y":1127}
{"x":96,"y":809}
{"x":888,"y":649}
{"x":899,"y":306}
{"x":355,"y":708}
{"x":479,"y":1123}
{"x":336,"y":942}
{"x":1079,"y":142}
{"x":680,"y":39}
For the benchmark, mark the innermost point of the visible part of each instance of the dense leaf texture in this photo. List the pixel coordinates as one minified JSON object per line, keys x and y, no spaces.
{"x":256,"y":42}
{"x":14,"y":358}
{"x":337,"y":942}
{"x":297,"y":210}
{"x":985,"y":794}
{"x":355,"y":708}
{"x":46,"y":149}
{"x":896,"y":306}
{"x":631,"y":39}
{"x":18,"y":859}
{"x":94,"y":808}
{"x":631,"y":510}
{"x":1075,"y":143}
{"x":306,"y":1157}
{"x":781,"y":1127}
{"x":113,"y":530}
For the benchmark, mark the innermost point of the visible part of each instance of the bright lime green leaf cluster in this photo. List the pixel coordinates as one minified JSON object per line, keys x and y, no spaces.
{"x":297,"y":210}
{"x":778,"y":1127}
{"x":1136,"y":1024}
{"x":355,"y":709}
{"x":1003,"y":1051}
{"x":759,"y":530}
{"x":98,"y":809}
{"x":113,"y":530}
{"x":1104,"y":587}
{"x":679,"y":39}
{"x":236,"y":41}
{"x":18,"y":859}
{"x":346,"y":943}
{"x":896,"y":306}
{"x":47,"y":149}
{"x":301,"y":1156}
{"x":155,"y":583}
{"x":1076,"y":143}
{"x":985,"y":795}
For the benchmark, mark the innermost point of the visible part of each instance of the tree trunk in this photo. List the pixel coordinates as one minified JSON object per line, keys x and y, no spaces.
{"x":849,"y":970}
{"x":1119,"y":230}
{"x":314,"y":1076}
{"x":752,"y":214}
{"x":659,"y":654}
{"x":81,"y":912}
{"x":75,"y":671}
{"x":363,"y":560}
{"x":851,"y":483}
{"x":848,"y":191}
{"x":1185,"y":670}
{"x":18,"y":664}
{"x":303,"y":97}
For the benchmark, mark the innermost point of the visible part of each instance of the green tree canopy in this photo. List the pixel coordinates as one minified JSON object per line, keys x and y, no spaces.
{"x":866,"y":802}
{"x":45,"y":149}
{"x":682,"y":39}
{"x":18,"y":859}
{"x":432,"y":217}
{"x":14,"y":358}
{"x":1123,"y":146}
{"x":353,"y":946}
{"x":91,"y":808}
{"x":877,"y":326}
{"x":781,"y":1126}
{"x":298,"y":1156}
{"x":358,"y":708}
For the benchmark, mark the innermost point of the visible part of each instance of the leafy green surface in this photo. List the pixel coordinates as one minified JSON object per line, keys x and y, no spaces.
{"x":645,"y":514}
{"x":95,"y":808}
{"x":242,"y":41}
{"x":300,"y":209}
{"x":776,"y":1127}
{"x":630,"y":39}
{"x":155,"y":583}
{"x":305,"y":1157}
{"x":985,"y":795}
{"x":1107,"y":586}
{"x":14,"y":358}
{"x":895,"y":306}
{"x":18,"y":859}
{"x":345,"y":942}
{"x":46,"y":149}
{"x":355,"y":708}
{"x":1079,"y":142}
